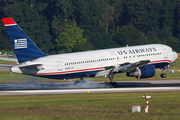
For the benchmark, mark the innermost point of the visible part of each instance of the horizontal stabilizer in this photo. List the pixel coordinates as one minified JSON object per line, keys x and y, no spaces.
{"x":4,"y":65}
{"x":33,"y":67}
{"x":9,"y":59}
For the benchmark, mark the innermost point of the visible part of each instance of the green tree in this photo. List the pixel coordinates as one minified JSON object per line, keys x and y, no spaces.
{"x":164,"y":35}
{"x":178,"y":19}
{"x":105,"y":22}
{"x":70,"y":36}
{"x":106,"y":17}
{"x":82,"y":47}
{"x":137,"y":12}
{"x":91,"y":15}
{"x":152,"y":16}
{"x":89,"y":21}
{"x":118,"y":9}
{"x":5,"y":43}
{"x":130,"y":35}
{"x":59,"y":14}
{"x":62,"y":11}
{"x":167,"y":16}
{"x":153,"y":36}
{"x":32,"y":21}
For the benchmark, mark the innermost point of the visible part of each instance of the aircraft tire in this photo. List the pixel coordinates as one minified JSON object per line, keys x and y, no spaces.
{"x":163,"y":75}
{"x":114,"y":84}
{"x":106,"y":84}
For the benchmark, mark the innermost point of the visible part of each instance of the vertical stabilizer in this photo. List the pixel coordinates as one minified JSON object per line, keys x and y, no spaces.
{"x":24,"y":47}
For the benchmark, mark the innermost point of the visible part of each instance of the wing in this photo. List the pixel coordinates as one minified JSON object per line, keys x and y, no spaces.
{"x":126,"y":67}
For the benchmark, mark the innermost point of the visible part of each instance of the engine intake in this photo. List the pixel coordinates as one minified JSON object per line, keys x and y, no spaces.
{"x":145,"y":71}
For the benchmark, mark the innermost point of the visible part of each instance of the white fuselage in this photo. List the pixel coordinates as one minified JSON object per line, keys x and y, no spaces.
{"x":71,"y":65}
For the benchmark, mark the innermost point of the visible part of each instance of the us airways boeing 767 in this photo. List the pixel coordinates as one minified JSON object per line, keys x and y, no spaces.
{"x":136,"y":61}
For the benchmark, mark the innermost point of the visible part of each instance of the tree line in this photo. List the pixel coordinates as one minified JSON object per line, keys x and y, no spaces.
{"x":59,"y":26}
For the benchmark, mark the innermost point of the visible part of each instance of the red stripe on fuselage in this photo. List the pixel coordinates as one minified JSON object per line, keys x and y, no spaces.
{"x":100,"y":68}
{"x":8,"y":21}
{"x":161,"y":61}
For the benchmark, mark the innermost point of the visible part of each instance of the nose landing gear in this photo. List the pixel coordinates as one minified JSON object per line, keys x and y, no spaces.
{"x":163,"y":75}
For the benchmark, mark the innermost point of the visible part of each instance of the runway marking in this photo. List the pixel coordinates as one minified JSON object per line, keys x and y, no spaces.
{"x":108,"y":89}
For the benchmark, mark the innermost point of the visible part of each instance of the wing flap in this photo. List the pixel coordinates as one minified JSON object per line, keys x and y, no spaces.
{"x":101,"y":73}
{"x":122,"y":67}
{"x":140,"y":63}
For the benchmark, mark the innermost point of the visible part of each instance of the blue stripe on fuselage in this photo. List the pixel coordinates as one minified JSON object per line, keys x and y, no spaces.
{"x":160,"y":65}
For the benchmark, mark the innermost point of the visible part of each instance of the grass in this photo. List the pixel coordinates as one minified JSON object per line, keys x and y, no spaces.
{"x":19,"y":78}
{"x":175,"y":64}
{"x":162,"y":105}
{"x":7,"y":62}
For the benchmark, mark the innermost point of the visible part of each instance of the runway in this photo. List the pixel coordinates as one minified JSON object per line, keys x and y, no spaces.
{"x":92,"y":87}
{"x":80,"y":91}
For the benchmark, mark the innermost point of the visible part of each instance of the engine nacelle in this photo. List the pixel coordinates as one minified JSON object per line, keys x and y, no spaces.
{"x":145,"y":71}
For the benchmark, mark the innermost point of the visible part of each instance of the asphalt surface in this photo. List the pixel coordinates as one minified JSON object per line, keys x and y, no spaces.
{"x":4,"y":68}
{"x":91,"y":87}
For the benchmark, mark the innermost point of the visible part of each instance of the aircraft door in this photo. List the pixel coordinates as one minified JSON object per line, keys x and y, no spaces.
{"x":165,"y":53}
{"x":59,"y":65}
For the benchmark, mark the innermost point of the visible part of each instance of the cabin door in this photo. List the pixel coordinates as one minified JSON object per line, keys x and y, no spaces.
{"x":59,"y":65}
{"x":165,"y":53}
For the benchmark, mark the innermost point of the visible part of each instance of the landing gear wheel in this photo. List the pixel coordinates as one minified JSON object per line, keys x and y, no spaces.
{"x":163,"y":75}
{"x":114,"y":84}
{"x":106,"y":84}
{"x":111,"y":84}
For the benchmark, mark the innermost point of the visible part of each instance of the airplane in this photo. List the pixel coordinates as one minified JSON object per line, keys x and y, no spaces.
{"x":138,"y":61}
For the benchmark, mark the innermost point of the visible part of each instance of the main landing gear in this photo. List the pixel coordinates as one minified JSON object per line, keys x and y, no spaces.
{"x":111,"y":83}
{"x":80,"y":82}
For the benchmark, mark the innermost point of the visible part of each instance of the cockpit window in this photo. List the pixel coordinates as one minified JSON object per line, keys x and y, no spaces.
{"x":173,"y":50}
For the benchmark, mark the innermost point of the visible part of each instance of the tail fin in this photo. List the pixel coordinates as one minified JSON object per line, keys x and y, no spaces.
{"x":24,"y":47}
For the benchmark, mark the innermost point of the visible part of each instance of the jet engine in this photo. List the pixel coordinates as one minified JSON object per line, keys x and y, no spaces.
{"x":145,"y":71}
